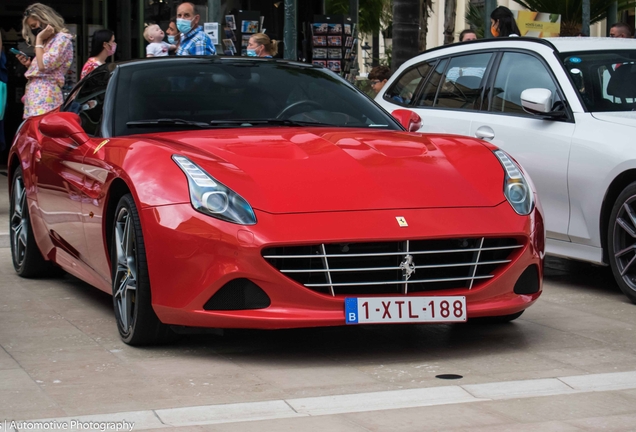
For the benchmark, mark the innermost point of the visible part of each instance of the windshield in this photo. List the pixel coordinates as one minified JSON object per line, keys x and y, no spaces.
{"x":225,"y":93}
{"x":605,"y":80}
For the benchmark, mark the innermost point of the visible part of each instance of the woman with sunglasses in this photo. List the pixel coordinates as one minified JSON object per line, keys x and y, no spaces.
{"x":43,"y":28}
{"x":103,"y":46}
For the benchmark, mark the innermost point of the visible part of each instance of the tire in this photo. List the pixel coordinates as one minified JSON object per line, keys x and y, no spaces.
{"x":621,"y":241}
{"x":27,"y":258}
{"x":136,"y":319}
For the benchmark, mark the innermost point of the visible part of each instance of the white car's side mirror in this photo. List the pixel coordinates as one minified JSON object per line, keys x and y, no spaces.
{"x":536,"y":100}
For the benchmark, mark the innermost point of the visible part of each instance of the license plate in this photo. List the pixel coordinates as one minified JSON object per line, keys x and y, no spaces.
{"x":378,"y":310}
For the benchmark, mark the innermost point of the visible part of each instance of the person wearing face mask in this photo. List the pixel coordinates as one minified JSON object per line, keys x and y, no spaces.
{"x":103,"y":46}
{"x":173,"y":34}
{"x":194,"y":41}
{"x":43,"y":28}
{"x":502,"y":23}
{"x":260,"y":45}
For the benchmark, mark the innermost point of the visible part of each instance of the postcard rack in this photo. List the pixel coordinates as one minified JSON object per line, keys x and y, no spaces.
{"x":238,"y":29}
{"x":334,"y":42}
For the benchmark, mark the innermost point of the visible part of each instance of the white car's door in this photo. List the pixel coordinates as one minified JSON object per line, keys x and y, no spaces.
{"x":541,"y":146}
{"x":452,"y":86}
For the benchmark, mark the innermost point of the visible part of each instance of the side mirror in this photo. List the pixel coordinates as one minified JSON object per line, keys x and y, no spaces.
{"x":538,"y":101}
{"x":63,"y":125}
{"x":409,"y":119}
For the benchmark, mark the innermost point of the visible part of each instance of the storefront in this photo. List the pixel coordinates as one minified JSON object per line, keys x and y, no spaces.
{"x":128,"y":18}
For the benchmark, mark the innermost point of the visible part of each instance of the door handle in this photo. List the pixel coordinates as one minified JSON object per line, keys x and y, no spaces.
{"x":485,"y":133}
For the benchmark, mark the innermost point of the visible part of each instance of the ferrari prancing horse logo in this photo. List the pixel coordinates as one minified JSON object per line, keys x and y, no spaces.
{"x":401,"y":221}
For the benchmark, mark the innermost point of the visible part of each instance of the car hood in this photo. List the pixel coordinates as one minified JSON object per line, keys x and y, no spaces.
{"x":627,"y":118}
{"x":296,"y":170}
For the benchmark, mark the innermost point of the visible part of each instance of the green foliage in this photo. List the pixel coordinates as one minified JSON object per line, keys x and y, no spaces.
{"x":475,"y":17}
{"x":571,"y":11}
{"x":386,"y":61}
{"x":373,"y":13}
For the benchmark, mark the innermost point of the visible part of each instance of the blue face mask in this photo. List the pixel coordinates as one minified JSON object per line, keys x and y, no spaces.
{"x":172,"y":39}
{"x":184,"y":25}
{"x":251,"y":53}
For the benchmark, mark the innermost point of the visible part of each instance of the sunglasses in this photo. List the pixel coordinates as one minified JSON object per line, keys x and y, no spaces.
{"x":28,"y":12}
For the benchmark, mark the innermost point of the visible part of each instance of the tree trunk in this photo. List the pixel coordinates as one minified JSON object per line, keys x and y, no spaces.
{"x":450,"y":11}
{"x":425,"y":13}
{"x":375,"y":51}
{"x":585,"y":27}
{"x":406,"y":17}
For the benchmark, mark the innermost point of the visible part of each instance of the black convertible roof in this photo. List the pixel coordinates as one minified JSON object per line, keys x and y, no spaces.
{"x":237,"y":60}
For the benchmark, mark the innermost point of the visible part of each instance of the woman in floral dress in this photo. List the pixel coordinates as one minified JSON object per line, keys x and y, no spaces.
{"x":44,"y":28}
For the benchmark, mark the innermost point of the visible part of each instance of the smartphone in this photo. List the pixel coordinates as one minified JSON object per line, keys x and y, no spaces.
{"x":17,"y":52}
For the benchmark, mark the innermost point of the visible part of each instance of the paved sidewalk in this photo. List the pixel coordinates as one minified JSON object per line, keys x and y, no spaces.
{"x":566,"y":365}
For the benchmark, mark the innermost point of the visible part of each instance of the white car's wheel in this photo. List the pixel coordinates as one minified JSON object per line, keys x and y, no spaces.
{"x":622,"y":241}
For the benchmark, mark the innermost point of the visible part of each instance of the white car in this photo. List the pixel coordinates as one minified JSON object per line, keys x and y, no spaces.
{"x":563,"y":108}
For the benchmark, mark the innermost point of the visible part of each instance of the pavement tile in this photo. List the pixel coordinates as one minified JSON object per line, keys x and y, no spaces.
{"x":312,"y":377}
{"x":615,"y":423}
{"x":304,"y":424}
{"x":552,"y":426}
{"x":21,"y":396}
{"x":6,"y":361}
{"x":587,"y":358}
{"x":561,"y":408}
{"x":435,"y":418}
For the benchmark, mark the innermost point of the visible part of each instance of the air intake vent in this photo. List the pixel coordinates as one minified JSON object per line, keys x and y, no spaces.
{"x":238,"y":294}
{"x":393,"y":267}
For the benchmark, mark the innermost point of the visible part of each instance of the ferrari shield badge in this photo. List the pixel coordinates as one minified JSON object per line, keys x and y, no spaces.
{"x":401,"y":221}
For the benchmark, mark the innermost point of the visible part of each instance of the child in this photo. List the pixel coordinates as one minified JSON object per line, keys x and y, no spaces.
{"x":156,"y":46}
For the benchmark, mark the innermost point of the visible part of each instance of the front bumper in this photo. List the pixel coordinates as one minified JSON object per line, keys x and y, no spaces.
{"x":191,"y":256}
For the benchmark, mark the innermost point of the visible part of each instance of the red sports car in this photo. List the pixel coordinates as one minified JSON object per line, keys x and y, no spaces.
{"x":251,"y":193}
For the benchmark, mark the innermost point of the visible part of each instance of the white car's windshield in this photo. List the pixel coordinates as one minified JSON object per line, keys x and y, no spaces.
{"x":605,"y":80}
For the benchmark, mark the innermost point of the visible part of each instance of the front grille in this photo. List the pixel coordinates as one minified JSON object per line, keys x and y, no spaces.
{"x":393,"y":267}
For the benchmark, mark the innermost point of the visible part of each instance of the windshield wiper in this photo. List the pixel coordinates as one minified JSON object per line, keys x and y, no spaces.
{"x":166,"y":122}
{"x":272,"y":122}
{"x":220,"y":123}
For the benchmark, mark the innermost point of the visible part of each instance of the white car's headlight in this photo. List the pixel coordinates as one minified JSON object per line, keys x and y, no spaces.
{"x":213,"y":198}
{"x":517,"y":189}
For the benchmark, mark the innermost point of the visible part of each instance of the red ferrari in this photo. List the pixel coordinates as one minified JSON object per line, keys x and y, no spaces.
{"x":250,"y":193}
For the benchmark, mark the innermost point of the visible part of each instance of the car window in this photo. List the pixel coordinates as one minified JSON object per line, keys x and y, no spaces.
{"x":427,"y":96}
{"x":88,"y":102}
{"x":605,"y":80}
{"x":405,"y":86}
{"x":463,"y":82}
{"x":518,"y":72}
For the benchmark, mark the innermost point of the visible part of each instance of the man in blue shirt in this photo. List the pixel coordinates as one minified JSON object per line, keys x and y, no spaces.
{"x":194,"y":41}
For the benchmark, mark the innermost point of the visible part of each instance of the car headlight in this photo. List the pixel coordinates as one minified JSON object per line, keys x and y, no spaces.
{"x":517,"y":189}
{"x":211,"y":197}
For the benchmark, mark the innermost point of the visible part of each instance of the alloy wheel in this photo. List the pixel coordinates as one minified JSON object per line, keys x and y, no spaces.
{"x":125,"y":280}
{"x":624,"y":242}
{"x":19,"y":222}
